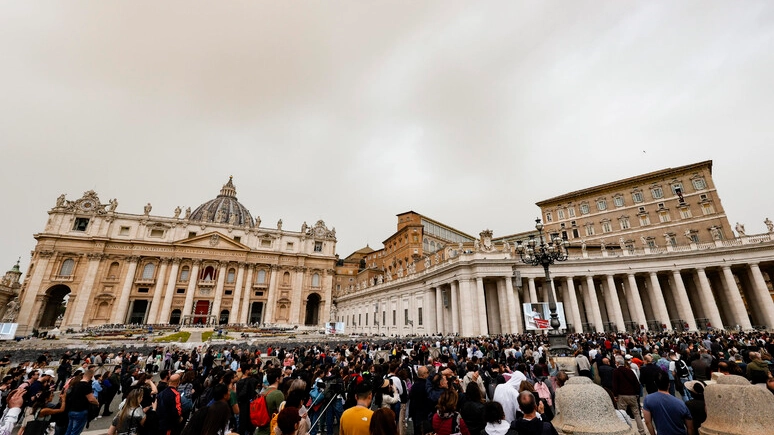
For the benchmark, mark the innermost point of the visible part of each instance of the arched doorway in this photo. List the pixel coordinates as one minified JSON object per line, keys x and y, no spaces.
{"x":312,"y":310}
{"x":223,"y":320}
{"x":55,"y":305}
{"x":174,"y":318}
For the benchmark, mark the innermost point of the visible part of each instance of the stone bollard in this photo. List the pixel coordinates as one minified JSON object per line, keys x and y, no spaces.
{"x":566,"y":364}
{"x":736,"y":407}
{"x":585,"y":408}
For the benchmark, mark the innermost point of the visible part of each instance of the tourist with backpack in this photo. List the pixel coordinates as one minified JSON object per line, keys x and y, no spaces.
{"x":246,"y":392}
{"x":269,"y":402}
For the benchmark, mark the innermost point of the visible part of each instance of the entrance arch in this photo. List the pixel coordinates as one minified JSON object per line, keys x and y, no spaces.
{"x":55,"y":305}
{"x":223,"y":320}
{"x":174,"y":318}
{"x":312,"y":310}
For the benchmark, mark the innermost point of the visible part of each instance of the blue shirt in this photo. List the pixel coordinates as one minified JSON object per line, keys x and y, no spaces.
{"x":667,"y":412}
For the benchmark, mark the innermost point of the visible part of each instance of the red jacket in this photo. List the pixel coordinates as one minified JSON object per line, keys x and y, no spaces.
{"x":443,"y":426}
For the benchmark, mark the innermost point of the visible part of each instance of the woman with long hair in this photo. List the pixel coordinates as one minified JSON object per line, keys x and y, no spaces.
{"x":473,"y":409}
{"x":217,"y":419}
{"x":131,"y":417}
{"x":447,"y":420}
{"x":383,"y":422}
{"x":40,"y":410}
{"x":288,"y":422}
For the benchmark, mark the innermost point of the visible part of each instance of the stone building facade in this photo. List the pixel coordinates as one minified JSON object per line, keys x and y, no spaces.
{"x":690,"y":283}
{"x":216,"y":264}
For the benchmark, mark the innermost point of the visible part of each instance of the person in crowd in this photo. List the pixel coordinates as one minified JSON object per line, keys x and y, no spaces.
{"x":79,"y":398}
{"x":627,"y":389}
{"x":357,"y":420}
{"x":757,"y":369}
{"x":170,"y":408}
{"x":666,"y":413}
{"x":648,"y":374}
{"x":131,"y":417}
{"x":583,"y":364}
{"x":274,"y":397}
{"x":288,"y":422}
{"x":447,"y":420}
{"x":697,"y":406}
{"x":419,"y":409}
{"x":383,"y":422}
{"x":42,"y":409}
{"x":531,"y":423}
{"x":495,"y":420}
{"x":472,"y":410}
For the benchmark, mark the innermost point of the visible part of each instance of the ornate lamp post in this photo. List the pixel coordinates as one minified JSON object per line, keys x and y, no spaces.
{"x":540,"y":252}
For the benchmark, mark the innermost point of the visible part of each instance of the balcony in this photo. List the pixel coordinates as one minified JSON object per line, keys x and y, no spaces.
{"x":261,"y":285}
{"x":63,"y":278}
{"x":206,"y":283}
{"x":145,"y":281}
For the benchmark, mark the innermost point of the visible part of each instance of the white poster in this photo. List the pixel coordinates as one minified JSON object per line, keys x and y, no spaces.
{"x":8,"y":331}
{"x":334,"y":328}
{"x":537,"y":317}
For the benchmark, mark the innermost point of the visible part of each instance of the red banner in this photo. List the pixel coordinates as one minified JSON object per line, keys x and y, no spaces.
{"x":542,"y":324}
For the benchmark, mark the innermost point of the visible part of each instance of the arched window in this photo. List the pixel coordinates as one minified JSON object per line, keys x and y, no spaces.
{"x":67,"y":267}
{"x":174,"y":318}
{"x":209,"y":273}
{"x":286,"y":278}
{"x":113,"y":270}
{"x":316,"y":280}
{"x":147,"y":271}
{"x":261,"y":277}
{"x":185,"y":272}
{"x":230,"y":276}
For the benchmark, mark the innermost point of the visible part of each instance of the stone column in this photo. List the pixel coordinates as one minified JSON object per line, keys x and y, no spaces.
{"x":532,"y":291}
{"x":272,"y":297}
{"x":595,"y":313}
{"x":574,"y":309}
{"x":634,"y":294}
{"x":157,"y":291}
{"x":657,"y":299}
{"x":514,"y":307}
{"x":481,"y":297}
{"x":762,"y":294}
{"x":295,"y":301}
{"x":735,"y":299}
{"x":438,"y":309}
{"x":708,"y":300}
{"x":120,"y":314}
{"x":429,"y":309}
{"x":454,"y":297}
{"x":233,"y":313}
{"x":615,"y":312}
{"x":170,"y":293}
{"x":325,"y":304}
{"x":84,"y":292}
{"x":193,"y":278}
{"x":219,"y":291}
{"x":502,"y":302}
{"x":468,"y":327}
{"x":27,"y":317}
{"x":247,"y":293}
{"x":683,"y":303}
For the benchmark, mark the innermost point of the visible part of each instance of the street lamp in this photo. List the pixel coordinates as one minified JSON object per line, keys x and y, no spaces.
{"x":540,"y":252}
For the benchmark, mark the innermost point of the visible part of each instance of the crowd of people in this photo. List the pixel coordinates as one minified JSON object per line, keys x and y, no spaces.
{"x":494,"y":385}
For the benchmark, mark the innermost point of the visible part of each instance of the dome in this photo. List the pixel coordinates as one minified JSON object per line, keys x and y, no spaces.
{"x":224,"y":209}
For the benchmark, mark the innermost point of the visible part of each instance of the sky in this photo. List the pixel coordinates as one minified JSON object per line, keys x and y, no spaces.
{"x":353,"y":112}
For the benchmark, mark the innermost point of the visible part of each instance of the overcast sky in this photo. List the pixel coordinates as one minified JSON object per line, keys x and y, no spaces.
{"x":352,"y":112}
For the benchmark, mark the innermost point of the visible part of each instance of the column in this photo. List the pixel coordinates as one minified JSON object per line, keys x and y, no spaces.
{"x":429,"y":309}
{"x":296,"y":302}
{"x":467,"y":327}
{"x":735,"y":299}
{"x":502,"y":302}
{"x":190,"y":290}
{"x":215,"y":310}
{"x":247,"y":293}
{"x":438,"y":309}
{"x":26,"y":318}
{"x":272,"y":297}
{"x":84,"y":292}
{"x":454,"y":289}
{"x":634,"y":295}
{"x":481,"y":297}
{"x":325,"y":304}
{"x":157,"y":291}
{"x":119,"y":315}
{"x":573,"y":305}
{"x":233,"y":314}
{"x":595,"y":313}
{"x":170,"y":293}
{"x":762,"y":294}
{"x":708,"y":300}
{"x":657,"y":299}
{"x":615,"y":312}
{"x":683,"y":303}
{"x":533,"y":299}
{"x":514,"y":306}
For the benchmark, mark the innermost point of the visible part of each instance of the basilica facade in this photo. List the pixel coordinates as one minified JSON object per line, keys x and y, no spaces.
{"x":216,"y":264}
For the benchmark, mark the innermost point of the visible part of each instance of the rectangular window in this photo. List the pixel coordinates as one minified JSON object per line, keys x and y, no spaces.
{"x":685,"y":213}
{"x":637,"y":197}
{"x":699,"y":184}
{"x":228,"y":292}
{"x":80,"y":224}
{"x":664,"y":216}
{"x":289,"y":246}
{"x":671,"y":240}
{"x":571,"y":212}
{"x":157,"y":233}
{"x":606,"y":227}
{"x":619,"y":201}
{"x":419,"y":316}
{"x":549,"y":218}
{"x":575,"y":233}
{"x":317,"y":246}
{"x":143,"y":290}
{"x":624,"y":223}
{"x":394,"y":318}
{"x":384,"y":317}
{"x":644,"y":220}
{"x":564,"y":235}
{"x":266,"y":243}
{"x":560,"y":214}
{"x":123,"y":231}
{"x":359,"y":318}
{"x":366,"y":319}
{"x":601,"y":205}
{"x":238,"y":239}
{"x":405,"y":317}
{"x":180,"y":291}
{"x":191,"y":234}
{"x":584,"y":209}
{"x":694,"y":238}
{"x":707,"y":209}
{"x":651,"y":243}
{"x":677,"y":187}
{"x":657,"y":193}
{"x":589,"y":230}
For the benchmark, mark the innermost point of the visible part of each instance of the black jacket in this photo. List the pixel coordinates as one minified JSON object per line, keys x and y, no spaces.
{"x":419,"y":405}
{"x":533,"y":427}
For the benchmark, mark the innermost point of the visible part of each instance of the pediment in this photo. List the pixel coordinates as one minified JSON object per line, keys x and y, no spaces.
{"x":212,"y":240}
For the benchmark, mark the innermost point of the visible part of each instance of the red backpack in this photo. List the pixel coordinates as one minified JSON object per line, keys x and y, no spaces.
{"x":259,"y":413}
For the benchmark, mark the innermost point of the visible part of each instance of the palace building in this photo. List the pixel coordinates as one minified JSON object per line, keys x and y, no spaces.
{"x":215,"y":264}
{"x":651,"y":252}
